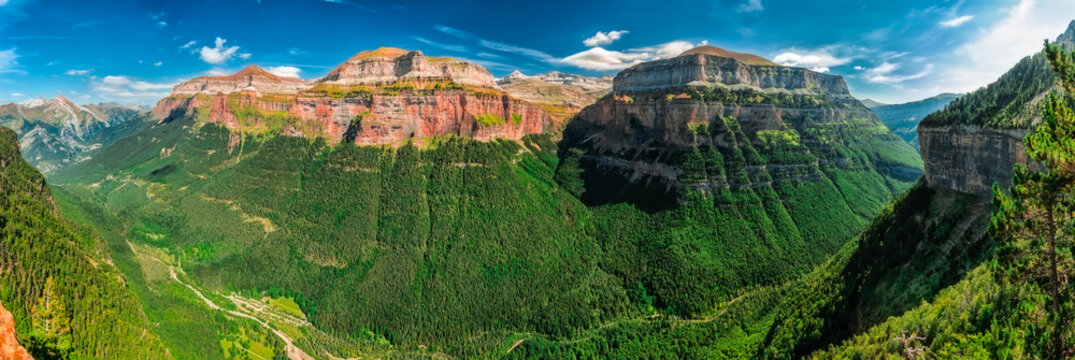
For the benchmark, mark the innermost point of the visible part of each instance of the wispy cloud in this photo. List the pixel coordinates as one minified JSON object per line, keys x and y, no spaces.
{"x":751,"y":6}
{"x":955,"y":22}
{"x":162,"y":24}
{"x":508,"y":48}
{"x":603,"y":38}
{"x":884,"y":74}
{"x":15,"y":94}
{"x":9,"y":61}
{"x":449,"y":47}
{"x":78,"y":72}
{"x":189,"y":44}
{"x":452,"y":31}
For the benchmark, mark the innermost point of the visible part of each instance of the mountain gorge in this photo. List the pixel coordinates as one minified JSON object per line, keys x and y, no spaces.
{"x":709,"y":205}
{"x":697,"y":179}
{"x":903,"y":118}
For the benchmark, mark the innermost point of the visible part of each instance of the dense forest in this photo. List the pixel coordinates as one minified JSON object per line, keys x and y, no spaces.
{"x":67,"y":300}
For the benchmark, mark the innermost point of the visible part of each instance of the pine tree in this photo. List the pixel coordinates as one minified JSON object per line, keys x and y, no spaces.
{"x":51,"y":325}
{"x":1035,"y":222}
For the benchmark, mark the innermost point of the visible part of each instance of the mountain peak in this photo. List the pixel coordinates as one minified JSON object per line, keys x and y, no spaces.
{"x":253,"y":71}
{"x":515,"y":75}
{"x":745,"y":58}
{"x":1069,"y":35}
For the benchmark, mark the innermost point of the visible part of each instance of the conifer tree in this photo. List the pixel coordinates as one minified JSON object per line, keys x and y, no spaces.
{"x":50,"y":322}
{"x":1036,"y":221}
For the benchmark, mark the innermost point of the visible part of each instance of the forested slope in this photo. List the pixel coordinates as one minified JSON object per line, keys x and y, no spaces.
{"x":67,"y":299}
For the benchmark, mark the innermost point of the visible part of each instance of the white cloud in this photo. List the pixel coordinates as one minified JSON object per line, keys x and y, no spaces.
{"x":859,"y":68}
{"x":245,"y":56}
{"x":219,"y":54}
{"x":14,"y":94}
{"x":162,"y":24}
{"x":8,"y":61}
{"x":751,"y":6}
{"x":285,"y":71}
{"x":598,"y":58}
{"x":517,"y":50}
{"x":158,"y":64}
{"x":2,"y":3}
{"x":77,"y":72}
{"x":883,"y":74}
{"x":817,"y":60}
{"x":295,"y":51}
{"x":189,"y":44}
{"x":955,"y":22}
{"x":603,"y":38}
{"x":216,"y":72}
{"x":125,"y":89}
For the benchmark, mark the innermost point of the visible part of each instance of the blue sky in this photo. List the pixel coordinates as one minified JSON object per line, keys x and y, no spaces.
{"x":134,"y":51}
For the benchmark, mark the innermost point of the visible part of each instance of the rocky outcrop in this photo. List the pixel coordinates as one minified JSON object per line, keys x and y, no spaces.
{"x":701,"y":69}
{"x":386,"y":96}
{"x":251,"y":78}
{"x":56,"y":132}
{"x":9,"y":343}
{"x":971,"y":158}
{"x":389,"y":65}
{"x":768,"y":125}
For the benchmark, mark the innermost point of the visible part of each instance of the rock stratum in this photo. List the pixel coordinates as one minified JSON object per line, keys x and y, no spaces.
{"x":713,"y":123}
{"x":384,"y":96}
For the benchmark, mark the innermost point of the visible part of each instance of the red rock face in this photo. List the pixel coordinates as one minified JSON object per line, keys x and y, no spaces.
{"x":9,"y":343}
{"x":385,"y":119}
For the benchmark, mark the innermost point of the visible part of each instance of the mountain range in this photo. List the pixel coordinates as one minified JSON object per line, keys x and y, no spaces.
{"x":56,"y":132}
{"x":713,"y":204}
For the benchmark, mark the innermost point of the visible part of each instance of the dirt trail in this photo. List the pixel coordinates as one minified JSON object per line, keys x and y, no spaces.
{"x":293,"y":352}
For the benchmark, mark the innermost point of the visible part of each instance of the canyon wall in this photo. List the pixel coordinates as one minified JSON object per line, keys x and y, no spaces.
{"x":971,"y":158}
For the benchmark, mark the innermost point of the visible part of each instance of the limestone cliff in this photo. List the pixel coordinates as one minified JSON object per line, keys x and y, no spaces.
{"x":970,"y":158}
{"x":386,"y":96}
{"x":712,"y":123}
{"x":389,"y":65}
